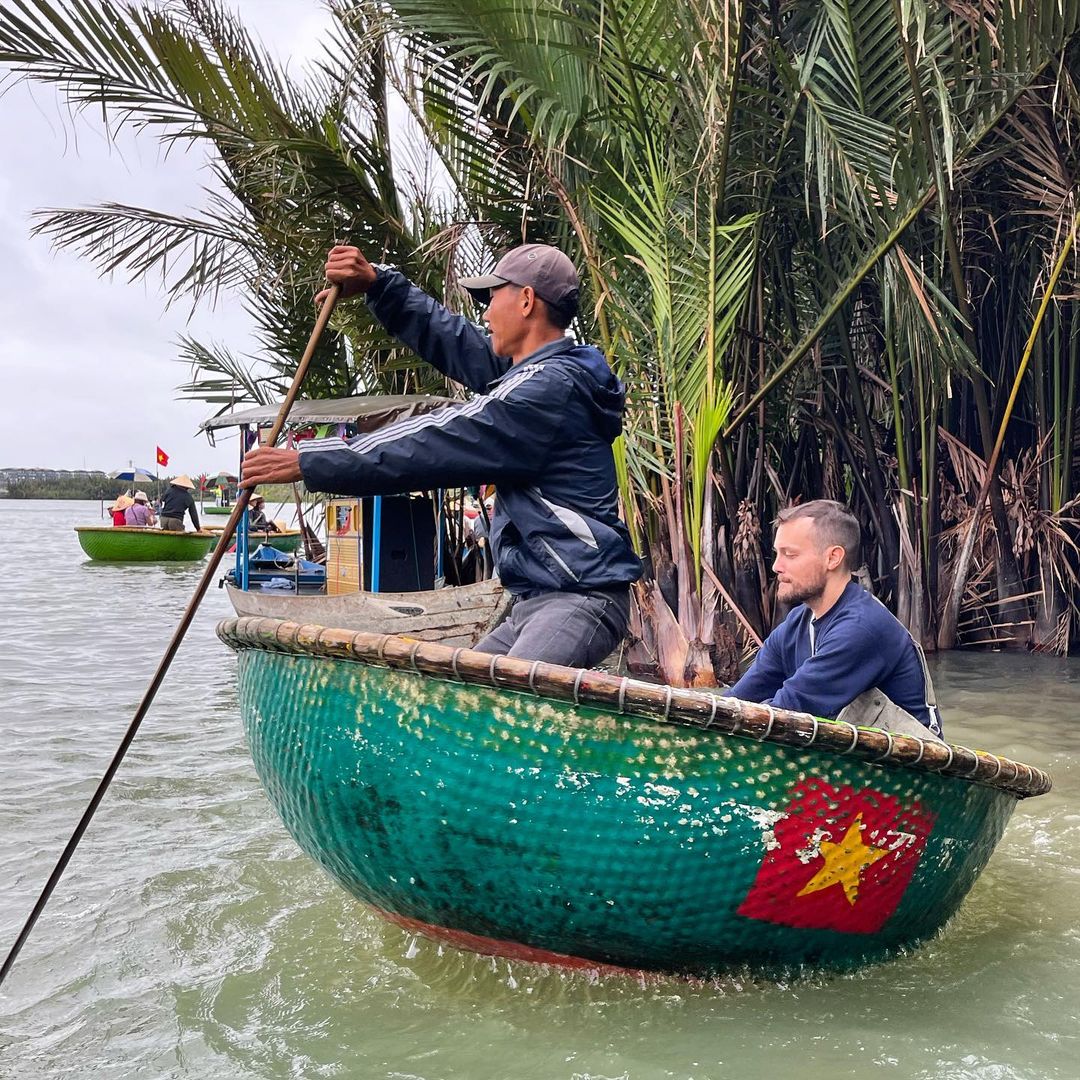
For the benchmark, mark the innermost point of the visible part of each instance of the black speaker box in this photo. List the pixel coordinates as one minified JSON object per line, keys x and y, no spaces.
{"x":407,"y":553}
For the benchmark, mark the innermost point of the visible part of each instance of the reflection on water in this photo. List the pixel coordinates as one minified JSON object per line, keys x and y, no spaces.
{"x":190,"y":938}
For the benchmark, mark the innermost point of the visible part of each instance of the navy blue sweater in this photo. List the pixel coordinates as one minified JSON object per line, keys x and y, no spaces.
{"x":540,"y":430}
{"x":820,"y":665}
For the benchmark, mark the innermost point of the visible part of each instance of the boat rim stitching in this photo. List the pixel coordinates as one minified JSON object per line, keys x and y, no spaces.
{"x":453,"y":663}
{"x":491,"y":669}
{"x":769,"y":726}
{"x":854,"y":738}
{"x":712,"y":715}
{"x":922,"y":749}
{"x":738,"y":716}
{"x":667,"y":703}
{"x":948,"y":764}
{"x":532,"y":677}
{"x":888,"y":748}
{"x":622,"y":693}
{"x":412,"y":657}
{"x":577,"y":685}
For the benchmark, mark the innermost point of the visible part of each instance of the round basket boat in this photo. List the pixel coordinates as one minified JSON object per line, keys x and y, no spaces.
{"x":556,"y":815}
{"x":118,"y":543}
{"x":223,"y":511}
{"x":283,"y":541}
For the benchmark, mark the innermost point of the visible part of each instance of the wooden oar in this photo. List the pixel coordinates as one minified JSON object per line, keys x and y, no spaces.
{"x":174,"y":644}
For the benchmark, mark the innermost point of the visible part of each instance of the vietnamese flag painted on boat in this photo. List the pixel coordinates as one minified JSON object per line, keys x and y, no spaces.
{"x":838,"y":859}
{"x":162,"y":457}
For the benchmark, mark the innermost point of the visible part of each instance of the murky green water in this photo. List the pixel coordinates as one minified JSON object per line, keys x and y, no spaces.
{"x":190,"y":938}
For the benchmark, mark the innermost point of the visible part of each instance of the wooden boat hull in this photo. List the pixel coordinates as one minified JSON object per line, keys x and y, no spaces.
{"x":112,"y":543}
{"x":521,"y":822}
{"x":284,"y":541}
{"x":453,"y":616}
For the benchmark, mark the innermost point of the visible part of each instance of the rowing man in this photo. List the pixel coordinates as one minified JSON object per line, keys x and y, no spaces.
{"x":540,"y":427}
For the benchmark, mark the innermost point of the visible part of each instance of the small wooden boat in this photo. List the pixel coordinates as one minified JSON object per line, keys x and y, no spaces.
{"x":289,"y":540}
{"x":460,"y":615}
{"x":122,"y":543}
{"x":555,"y":815}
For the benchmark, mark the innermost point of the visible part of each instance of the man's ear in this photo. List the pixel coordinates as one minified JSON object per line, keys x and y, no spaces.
{"x":834,"y":557}
{"x":528,"y":300}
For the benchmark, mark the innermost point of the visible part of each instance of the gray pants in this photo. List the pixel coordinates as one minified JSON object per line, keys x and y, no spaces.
{"x":574,"y":629}
{"x":171,"y":524}
{"x":873,"y":709}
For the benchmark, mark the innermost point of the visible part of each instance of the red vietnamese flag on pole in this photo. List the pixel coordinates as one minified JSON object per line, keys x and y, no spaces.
{"x":840,"y":859}
{"x":162,"y":457}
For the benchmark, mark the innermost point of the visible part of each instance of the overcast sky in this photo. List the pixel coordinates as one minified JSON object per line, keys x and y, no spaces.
{"x":88,"y":364}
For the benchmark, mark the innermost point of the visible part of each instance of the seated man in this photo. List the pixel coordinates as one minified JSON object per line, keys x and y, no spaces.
{"x":839,"y":643}
{"x":257,"y":519}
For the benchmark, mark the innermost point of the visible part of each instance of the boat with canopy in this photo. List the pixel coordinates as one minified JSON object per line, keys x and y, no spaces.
{"x":359,"y":590}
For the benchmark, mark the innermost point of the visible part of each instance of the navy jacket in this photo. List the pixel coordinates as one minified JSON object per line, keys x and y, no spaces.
{"x":820,"y":665}
{"x":540,"y":430}
{"x":178,"y":502}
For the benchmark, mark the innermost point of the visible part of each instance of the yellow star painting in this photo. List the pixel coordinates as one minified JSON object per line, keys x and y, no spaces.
{"x":844,"y":862}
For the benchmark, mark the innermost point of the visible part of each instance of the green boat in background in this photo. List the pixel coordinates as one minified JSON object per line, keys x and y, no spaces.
{"x":222,"y":511}
{"x":574,"y":817}
{"x":288,"y":541}
{"x":120,"y":543}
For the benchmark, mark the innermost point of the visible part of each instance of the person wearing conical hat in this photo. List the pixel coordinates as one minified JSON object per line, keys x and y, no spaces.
{"x":257,"y":519}
{"x":139,"y":513}
{"x":117,"y":509}
{"x":179,"y":501}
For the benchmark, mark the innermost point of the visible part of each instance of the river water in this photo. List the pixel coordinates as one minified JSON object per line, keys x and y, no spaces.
{"x":191,"y":938}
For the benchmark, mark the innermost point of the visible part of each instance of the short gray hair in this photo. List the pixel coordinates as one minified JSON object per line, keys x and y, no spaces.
{"x":834,"y":524}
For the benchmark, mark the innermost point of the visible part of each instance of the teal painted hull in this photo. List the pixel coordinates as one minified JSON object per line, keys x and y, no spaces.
{"x":537,"y":827}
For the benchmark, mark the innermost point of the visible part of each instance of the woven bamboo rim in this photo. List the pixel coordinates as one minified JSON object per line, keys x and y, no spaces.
{"x":689,"y":708}
{"x":143,"y":530}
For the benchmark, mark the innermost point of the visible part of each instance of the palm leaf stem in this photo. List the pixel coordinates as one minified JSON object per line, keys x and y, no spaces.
{"x":949,"y":617}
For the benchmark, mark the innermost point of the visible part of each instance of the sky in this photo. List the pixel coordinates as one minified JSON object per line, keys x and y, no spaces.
{"x":88,"y":364}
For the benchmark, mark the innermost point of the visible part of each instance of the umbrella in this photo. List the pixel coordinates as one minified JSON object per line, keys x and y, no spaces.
{"x":136,"y":476}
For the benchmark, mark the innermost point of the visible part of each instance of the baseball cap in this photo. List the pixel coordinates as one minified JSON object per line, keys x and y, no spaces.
{"x":545,"y":269}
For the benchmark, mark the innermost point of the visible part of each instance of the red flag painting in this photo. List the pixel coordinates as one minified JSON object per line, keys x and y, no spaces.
{"x":162,"y":457}
{"x":838,"y":859}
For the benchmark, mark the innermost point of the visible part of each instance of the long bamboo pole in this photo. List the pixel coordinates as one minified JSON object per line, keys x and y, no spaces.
{"x":174,"y":644}
{"x":950,"y":616}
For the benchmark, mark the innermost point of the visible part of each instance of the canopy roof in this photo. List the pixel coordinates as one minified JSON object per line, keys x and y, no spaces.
{"x":368,"y":412}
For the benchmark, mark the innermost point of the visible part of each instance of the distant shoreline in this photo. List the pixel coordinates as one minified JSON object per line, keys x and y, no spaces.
{"x":81,"y":488}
